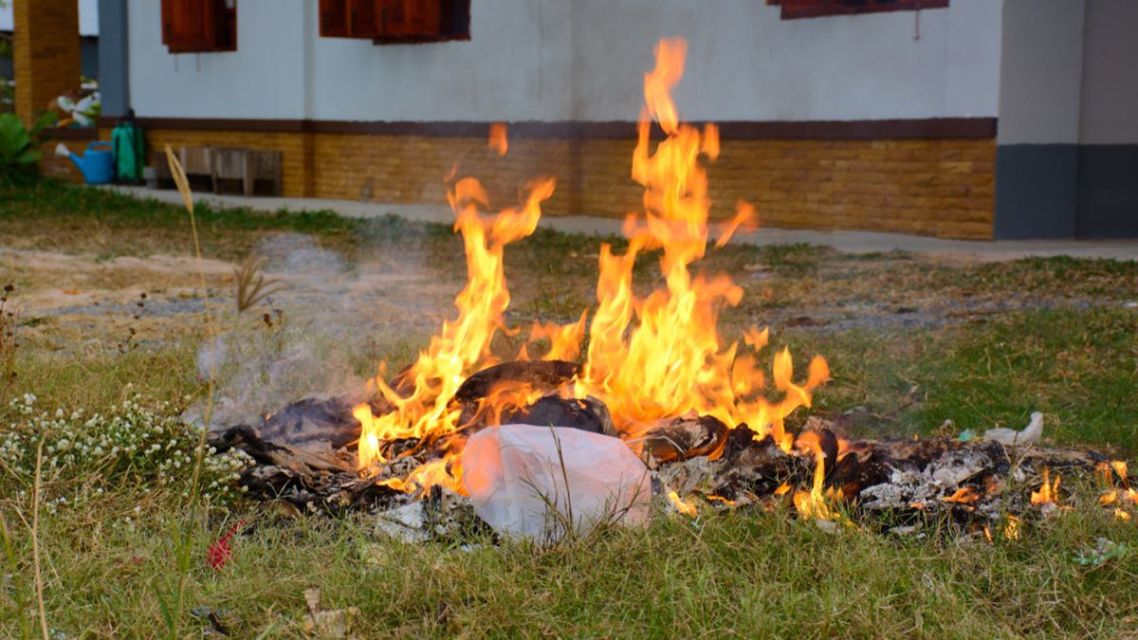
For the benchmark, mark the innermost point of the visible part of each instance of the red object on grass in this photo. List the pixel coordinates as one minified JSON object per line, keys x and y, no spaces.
{"x":220,"y":552}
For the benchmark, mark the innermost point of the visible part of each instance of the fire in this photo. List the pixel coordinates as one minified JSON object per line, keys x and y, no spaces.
{"x":963,"y":495}
{"x":661,"y":356}
{"x":1011,"y":529}
{"x":813,"y":503}
{"x":647,"y":358}
{"x":1120,"y":496}
{"x":682,"y":506}
{"x":463,"y":345}
{"x":498,"y":140}
{"x":1048,"y":492}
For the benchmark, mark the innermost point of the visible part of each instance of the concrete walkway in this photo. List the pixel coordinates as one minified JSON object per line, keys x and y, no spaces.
{"x":844,"y":241}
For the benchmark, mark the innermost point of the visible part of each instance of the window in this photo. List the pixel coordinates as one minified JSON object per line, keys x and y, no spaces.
{"x":792,"y":9}
{"x":198,"y":26}
{"x":396,"y":21}
{"x":348,"y":19}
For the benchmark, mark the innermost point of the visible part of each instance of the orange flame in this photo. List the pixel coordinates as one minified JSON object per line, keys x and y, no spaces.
{"x":462,"y":346}
{"x":812,"y":503}
{"x":1048,"y":492}
{"x":681,"y":505}
{"x":499,"y":141}
{"x":1011,"y":529}
{"x":963,"y":495}
{"x":661,"y":355}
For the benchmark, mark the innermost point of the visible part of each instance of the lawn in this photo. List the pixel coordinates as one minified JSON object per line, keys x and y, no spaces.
{"x":917,"y":345}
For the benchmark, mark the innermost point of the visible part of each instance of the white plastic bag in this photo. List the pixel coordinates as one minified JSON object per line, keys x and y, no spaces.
{"x":538,"y":482}
{"x":1012,"y":438}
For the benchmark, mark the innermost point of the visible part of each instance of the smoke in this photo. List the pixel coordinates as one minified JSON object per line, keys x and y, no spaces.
{"x":326,"y":331}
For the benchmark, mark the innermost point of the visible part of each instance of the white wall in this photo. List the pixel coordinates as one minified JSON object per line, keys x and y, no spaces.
{"x":262,"y":79}
{"x":1110,"y":73}
{"x":583,"y":60}
{"x":516,"y":66}
{"x":88,"y":16}
{"x":1041,"y":71}
{"x":746,"y":63}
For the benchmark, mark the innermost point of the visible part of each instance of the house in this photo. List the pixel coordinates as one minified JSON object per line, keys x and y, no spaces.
{"x":953,"y":118}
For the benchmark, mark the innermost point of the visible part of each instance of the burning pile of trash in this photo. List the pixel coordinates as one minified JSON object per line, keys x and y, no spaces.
{"x":639,"y":401}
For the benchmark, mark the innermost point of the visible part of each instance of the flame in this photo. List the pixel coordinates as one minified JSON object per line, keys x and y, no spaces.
{"x":681,"y":506}
{"x":661,"y":355}
{"x":715,"y":498}
{"x":813,"y":503}
{"x":1048,"y":492}
{"x":1011,"y":529}
{"x":1117,"y":497}
{"x":648,"y":358}
{"x":498,"y":140}
{"x":564,"y":340}
{"x":463,"y":345}
{"x":963,"y":495}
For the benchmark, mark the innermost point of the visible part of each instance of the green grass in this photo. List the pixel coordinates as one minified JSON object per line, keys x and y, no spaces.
{"x":1079,"y":367}
{"x":1070,"y":351}
{"x":742,"y":575}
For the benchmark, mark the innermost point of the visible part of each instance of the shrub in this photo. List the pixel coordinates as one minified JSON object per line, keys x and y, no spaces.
{"x":20,"y":146}
{"x":130,"y":444}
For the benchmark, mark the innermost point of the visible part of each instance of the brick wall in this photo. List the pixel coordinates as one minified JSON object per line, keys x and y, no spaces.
{"x":46,"y":55}
{"x":410,"y":169}
{"x":54,"y":166}
{"x":939,"y":187}
{"x":291,"y":146}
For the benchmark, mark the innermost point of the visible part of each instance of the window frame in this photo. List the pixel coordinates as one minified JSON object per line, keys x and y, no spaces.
{"x":381,"y":21}
{"x":798,"y":9}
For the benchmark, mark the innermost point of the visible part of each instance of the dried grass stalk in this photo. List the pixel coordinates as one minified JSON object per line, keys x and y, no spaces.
{"x":252,"y":285}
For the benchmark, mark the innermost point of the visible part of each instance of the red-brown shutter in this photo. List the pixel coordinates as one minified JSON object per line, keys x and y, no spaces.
{"x":349,"y":18}
{"x":199,"y":25}
{"x":411,"y":19}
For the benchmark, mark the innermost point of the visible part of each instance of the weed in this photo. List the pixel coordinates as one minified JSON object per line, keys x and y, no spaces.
{"x":8,"y":344}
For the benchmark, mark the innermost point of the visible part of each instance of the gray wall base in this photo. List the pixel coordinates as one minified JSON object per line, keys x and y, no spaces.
{"x":1066,"y":191}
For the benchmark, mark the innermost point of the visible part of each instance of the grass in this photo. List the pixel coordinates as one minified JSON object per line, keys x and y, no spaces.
{"x":912,"y":342}
{"x":761,"y":574}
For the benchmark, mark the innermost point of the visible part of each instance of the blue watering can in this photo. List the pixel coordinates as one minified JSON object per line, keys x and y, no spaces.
{"x":97,"y":163}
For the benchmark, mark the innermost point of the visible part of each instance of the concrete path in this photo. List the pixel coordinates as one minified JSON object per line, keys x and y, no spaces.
{"x":844,"y":241}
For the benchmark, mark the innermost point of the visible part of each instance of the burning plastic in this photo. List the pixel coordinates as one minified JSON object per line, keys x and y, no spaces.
{"x":545,"y":482}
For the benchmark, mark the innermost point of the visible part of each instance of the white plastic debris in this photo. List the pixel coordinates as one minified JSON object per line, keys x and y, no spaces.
{"x":1012,"y":438}
{"x":407,"y":523}
{"x":541,"y":482}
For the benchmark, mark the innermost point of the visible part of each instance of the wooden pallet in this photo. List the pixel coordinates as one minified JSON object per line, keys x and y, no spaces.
{"x":224,"y":164}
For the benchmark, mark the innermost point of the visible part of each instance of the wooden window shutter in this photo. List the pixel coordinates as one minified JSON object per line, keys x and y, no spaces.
{"x":199,"y":25}
{"x":423,"y":20}
{"x":349,"y":18}
{"x":411,"y":19}
{"x":334,"y":18}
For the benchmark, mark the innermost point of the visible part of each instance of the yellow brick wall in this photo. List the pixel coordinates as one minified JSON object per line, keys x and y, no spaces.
{"x":411,"y":169}
{"x":45,"y":49}
{"x":291,"y":146}
{"x":943,"y":187}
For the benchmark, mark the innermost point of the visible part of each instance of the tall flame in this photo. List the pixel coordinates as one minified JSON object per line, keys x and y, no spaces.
{"x":671,"y":360}
{"x":463,"y":345}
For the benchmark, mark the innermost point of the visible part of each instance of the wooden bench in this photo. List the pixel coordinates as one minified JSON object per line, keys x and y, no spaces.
{"x":223,"y":164}
{"x":248,"y":166}
{"x":195,"y":162}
